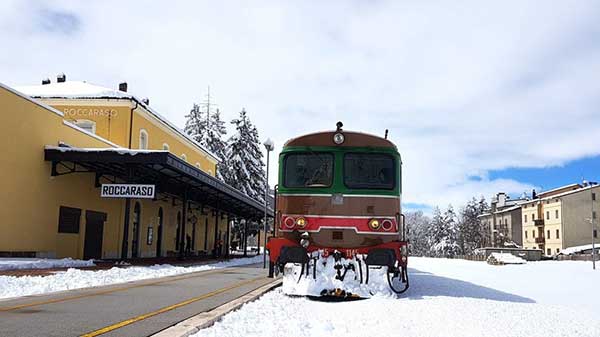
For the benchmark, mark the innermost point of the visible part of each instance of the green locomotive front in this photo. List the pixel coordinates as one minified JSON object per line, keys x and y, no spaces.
{"x":338,"y":200}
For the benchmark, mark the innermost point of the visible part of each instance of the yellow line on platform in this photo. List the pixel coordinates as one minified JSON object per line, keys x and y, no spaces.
{"x":169,"y":308}
{"x":112,"y":290}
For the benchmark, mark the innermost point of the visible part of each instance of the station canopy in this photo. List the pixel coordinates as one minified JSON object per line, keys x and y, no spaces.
{"x":171,"y":175}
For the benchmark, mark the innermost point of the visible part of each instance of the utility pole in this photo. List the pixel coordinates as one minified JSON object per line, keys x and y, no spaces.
{"x":593,"y":197}
{"x":269,"y":146}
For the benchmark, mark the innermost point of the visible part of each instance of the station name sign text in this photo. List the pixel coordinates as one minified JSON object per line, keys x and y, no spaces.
{"x":127,"y":191}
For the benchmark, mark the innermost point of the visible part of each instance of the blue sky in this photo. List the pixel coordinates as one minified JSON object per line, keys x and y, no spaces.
{"x":479,"y":97}
{"x":552,"y":177}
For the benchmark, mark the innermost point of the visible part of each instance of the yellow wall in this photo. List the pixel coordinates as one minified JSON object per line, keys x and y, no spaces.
{"x":31,"y":197}
{"x":112,"y":118}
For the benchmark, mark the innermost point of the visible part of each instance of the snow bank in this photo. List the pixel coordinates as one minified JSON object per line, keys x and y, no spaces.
{"x":504,"y":258}
{"x":35,"y":263}
{"x":448,"y":297}
{"x":579,"y":249}
{"x":12,"y":286}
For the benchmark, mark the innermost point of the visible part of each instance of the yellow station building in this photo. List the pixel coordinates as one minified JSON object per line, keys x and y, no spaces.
{"x":62,"y":141}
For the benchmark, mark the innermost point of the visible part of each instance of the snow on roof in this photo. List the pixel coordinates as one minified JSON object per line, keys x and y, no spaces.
{"x":562,"y":194}
{"x":508,"y":209}
{"x":558,"y":188}
{"x":71,"y":89}
{"x":119,"y":150}
{"x":84,"y":90}
{"x":578,"y":249}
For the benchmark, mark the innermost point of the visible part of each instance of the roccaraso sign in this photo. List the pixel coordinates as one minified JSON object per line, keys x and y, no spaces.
{"x":127,"y":191}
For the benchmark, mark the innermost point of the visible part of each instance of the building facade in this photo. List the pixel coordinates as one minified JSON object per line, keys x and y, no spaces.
{"x":62,"y":141}
{"x":504,"y":221}
{"x":561,"y":218}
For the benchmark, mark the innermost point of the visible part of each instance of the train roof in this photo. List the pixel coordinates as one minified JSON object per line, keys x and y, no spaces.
{"x":351,"y":138}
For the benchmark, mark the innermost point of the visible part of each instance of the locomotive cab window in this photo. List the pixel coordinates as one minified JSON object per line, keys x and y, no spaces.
{"x":313,"y":169}
{"x":369,"y":171}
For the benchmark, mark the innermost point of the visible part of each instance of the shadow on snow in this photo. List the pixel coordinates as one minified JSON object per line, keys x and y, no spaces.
{"x":423,"y":284}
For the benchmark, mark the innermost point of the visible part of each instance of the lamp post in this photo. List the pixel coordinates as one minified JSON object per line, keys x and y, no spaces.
{"x":269,"y":146}
{"x":593,"y":197}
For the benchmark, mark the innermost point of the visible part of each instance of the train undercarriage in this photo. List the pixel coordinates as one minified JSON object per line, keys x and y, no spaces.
{"x":311,"y":270}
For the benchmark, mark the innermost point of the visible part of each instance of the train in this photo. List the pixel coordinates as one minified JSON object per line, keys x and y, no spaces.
{"x":339,"y":228}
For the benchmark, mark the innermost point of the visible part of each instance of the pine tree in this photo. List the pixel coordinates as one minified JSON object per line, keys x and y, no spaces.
{"x":204,"y":125}
{"x":196,"y":124}
{"x":472,"y":232}
{"x":245,"y":167}
{"x":443,"y":235}
{"x":418,"y":234}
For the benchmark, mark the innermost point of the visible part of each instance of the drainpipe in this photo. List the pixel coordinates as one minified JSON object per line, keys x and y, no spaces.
{"x":131,"y":122}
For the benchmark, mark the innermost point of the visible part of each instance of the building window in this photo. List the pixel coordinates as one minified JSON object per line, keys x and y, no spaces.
{"x":594,"y":214}
{"x":548,"y":234}
{"x":533,"y":233}
{"x":143,"y":139}
{"x":557,"y":250}
{"x":183,"y":156}
{"x":593,"y":196}
{"x":166,"y":147}
{"x":557,"y":234}
{"x":547,"y":215}
{"x":556,"y":214}
{"x":595,"y":233}
{"x":525,"y":234}
{"x":68,"y":220}
{"x":532,"y":216}
{"x":525,"y":218}
{"x":87,"y":125}
{"x":549,"y":251}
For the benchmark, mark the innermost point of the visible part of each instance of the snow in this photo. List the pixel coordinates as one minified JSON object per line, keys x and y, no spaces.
{"x":448,"y":297}
{"x":37,"y":263}
{"x":119,"y":150}
{"x":71,"y":89}
{"x":579,"y":249}
{"x":504,"y":258}
{"x":13,"y":286}
{"x":293,"y":284}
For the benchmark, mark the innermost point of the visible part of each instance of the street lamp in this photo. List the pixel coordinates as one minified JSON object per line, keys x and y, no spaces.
{"x":593,"y":197}
{"x":269,"y":146}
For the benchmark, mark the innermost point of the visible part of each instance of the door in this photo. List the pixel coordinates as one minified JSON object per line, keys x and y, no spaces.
{"x":159,"y":232}
{"x":136,"y":230}
{"x":178,"y":234}
{"x":94,"y":230}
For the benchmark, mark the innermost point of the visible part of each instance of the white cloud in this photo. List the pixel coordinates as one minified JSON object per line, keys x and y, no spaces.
{"x":464,"y":89}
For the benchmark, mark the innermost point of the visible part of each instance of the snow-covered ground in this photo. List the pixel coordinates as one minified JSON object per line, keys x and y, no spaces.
{"x":447,"y":298}
{"x":12,"y":286}
{"x":37,"y":263}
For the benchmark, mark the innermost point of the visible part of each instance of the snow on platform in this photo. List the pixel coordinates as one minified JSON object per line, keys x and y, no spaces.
{"x":447,"y":298}
{"x":14,"y":286}
{"x":37,"y":263}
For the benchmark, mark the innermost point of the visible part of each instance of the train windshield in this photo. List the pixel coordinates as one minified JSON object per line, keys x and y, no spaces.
{"x":369,"y":171}
{"x":313,"y":169}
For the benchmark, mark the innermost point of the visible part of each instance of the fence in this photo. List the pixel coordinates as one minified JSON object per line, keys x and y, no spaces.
{"x":470,"y":257}
{"x":577,"y":257}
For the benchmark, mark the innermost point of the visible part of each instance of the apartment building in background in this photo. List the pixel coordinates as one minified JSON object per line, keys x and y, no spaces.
{"x":504,"y":220}
{"x":561,"y":218}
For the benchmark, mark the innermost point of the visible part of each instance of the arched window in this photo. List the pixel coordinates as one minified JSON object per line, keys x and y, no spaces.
{"x":166,"y":147}
{"x":87,"y":125}
{"x":143,"y":139}
{"x":198,"y":165}
{"x":183,"y":156}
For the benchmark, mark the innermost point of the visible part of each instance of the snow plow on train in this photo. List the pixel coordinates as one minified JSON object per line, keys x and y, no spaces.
{"x":339,"y":229}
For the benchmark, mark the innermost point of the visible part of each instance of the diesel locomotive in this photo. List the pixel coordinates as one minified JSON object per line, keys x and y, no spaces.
{"x":338,"y":214}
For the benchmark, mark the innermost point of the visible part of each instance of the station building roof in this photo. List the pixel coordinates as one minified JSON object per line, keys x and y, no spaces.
{"x":170,"y":174}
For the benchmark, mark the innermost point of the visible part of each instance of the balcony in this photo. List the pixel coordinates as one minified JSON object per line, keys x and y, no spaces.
{"x":541,"y":240}
{"x":538,"y":222}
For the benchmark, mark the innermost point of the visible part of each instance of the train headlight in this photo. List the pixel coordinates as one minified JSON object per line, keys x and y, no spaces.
{"x":387,"y":225}
{"x":289,"y":222}
{"x":301,"y":222}
{"x":338,"y":138}
{"x":374,"y":224}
